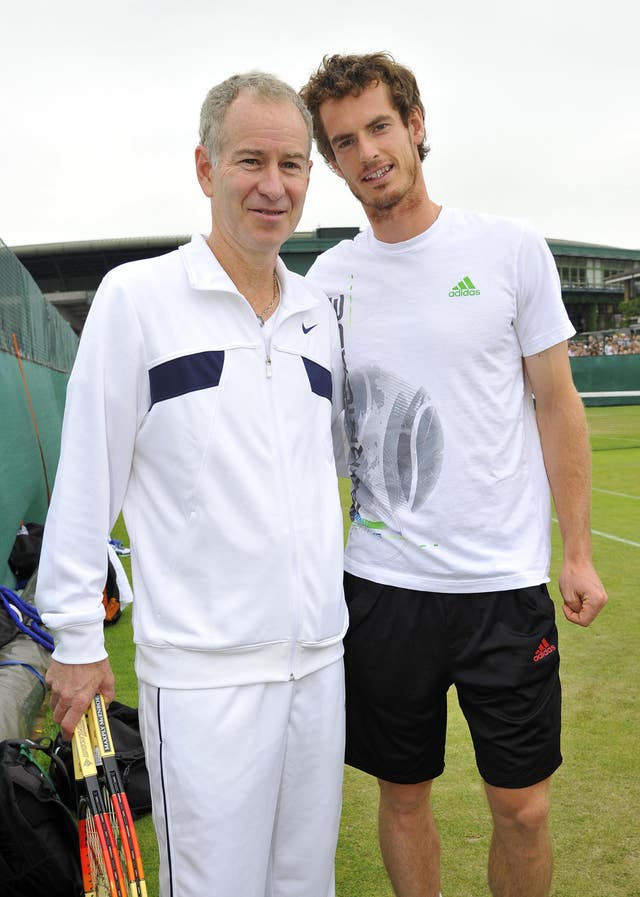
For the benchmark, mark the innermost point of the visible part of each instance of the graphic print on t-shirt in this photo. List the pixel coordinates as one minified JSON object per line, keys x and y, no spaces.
{"x":396,"y":447}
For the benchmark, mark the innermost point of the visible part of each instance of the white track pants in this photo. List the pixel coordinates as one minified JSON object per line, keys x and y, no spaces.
{"x":246,"y":784}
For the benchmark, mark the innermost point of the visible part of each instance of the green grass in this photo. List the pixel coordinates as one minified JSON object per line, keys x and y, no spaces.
{"x":596,"y":793}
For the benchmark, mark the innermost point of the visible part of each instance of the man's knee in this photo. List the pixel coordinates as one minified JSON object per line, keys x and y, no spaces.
{"x":521,"y":811}
{"x":404,"y":798}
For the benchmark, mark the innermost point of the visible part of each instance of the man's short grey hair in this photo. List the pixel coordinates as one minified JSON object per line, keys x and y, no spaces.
{"x":220,"y":97}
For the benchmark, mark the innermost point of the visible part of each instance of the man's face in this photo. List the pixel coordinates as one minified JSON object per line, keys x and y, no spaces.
{"x":258,"y":186}
{"x":376,"y":154}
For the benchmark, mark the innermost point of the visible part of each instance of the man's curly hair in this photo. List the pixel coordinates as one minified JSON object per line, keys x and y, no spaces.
{"x":341,"y":76}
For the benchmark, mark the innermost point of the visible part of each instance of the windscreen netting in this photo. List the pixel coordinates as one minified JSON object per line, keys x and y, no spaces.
{"x":41,"y":332}
{"x":37,"y":350}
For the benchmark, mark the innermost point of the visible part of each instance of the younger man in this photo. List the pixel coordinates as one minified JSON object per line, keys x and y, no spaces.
{"x":450,"y":320}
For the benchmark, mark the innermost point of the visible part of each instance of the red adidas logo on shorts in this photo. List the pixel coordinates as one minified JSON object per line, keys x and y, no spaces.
{"x":543,"y":650}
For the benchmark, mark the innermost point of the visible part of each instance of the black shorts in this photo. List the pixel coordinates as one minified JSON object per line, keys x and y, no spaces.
{"x":403,"y":650}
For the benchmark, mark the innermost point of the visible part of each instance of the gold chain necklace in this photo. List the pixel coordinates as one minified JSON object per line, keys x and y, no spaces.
{"x":274,"y":299}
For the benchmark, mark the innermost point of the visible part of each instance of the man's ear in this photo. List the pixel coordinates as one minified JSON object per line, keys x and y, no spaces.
{"x":335,"y":168}
{"x":203,"y":170}
{"x":416,"y":126}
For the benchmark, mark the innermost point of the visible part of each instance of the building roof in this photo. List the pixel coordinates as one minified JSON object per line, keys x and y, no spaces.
{"x":591,"y":250}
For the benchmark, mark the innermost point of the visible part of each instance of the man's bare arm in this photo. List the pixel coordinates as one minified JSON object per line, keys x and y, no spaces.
{"x":567,"y":457}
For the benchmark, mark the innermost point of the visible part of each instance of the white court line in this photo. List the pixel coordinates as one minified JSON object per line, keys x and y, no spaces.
{"x":609,"y":536}
{"x":615,"y":538}
{"x":618,"y":393}
{"x":621,"y":494}
{"x":633,"y":439}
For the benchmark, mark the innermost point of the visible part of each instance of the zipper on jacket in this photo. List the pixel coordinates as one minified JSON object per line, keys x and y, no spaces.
{"x":288,"y":498}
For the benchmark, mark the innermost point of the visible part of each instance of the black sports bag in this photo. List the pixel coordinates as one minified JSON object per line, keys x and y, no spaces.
{"x":39,"y":853}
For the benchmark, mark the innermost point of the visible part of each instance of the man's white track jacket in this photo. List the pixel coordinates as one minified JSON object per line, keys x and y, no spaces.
{"x":222,"y":462}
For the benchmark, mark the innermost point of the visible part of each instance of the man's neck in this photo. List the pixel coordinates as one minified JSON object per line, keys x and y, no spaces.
{"x":413,"y":215}
{"x":252,"y":273}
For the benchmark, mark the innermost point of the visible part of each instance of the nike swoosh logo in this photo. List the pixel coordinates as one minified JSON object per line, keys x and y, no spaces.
{"x":307,"y":329}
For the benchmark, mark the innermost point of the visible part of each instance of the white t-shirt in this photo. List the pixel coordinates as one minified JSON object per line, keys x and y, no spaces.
{"x":449,"y":487}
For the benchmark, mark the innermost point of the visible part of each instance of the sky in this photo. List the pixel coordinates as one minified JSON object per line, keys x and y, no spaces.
{"x":532,"y":110}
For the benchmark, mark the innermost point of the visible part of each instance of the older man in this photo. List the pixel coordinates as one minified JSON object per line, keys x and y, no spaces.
{"x":201,"y":404}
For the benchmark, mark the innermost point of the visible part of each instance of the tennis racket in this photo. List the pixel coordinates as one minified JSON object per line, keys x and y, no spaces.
{"x":102,"y":874}
{"x":114,"y":797}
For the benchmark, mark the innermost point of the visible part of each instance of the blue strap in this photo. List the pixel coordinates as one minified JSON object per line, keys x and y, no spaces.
{"x":11,"y":601}
{"x":27,"y":666}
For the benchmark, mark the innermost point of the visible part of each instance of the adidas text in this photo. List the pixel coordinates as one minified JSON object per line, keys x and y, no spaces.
{"x":543,"y":650}
{"x":454,"y":293}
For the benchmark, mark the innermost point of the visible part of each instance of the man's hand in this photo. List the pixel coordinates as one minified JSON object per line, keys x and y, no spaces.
{"x":73,"y":687}
{"x":583,"y":594}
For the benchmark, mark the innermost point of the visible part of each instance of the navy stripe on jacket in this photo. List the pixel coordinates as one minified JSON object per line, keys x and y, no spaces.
{"x":201,"y":370}
{"x":319,"y":378}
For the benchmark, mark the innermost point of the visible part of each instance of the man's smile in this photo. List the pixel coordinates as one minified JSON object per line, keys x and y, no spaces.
{"x":269,"y":213}
{"x":378,"y":173}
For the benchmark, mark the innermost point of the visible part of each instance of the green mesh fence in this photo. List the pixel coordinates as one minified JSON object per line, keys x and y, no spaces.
{"x":37,"y":349}
{"x":42,"y":333}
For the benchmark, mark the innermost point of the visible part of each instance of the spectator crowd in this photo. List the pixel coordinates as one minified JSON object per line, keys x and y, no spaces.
{"x":622,"y":342}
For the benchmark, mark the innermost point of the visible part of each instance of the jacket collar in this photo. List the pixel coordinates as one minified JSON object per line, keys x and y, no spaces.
{"x":205,"y":272}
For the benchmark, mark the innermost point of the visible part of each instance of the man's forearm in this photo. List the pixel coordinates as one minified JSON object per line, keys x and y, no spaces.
{"x":567,"y":457}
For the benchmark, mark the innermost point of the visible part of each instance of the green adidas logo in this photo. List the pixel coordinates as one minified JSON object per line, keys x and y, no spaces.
{"x":466,"y":287}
